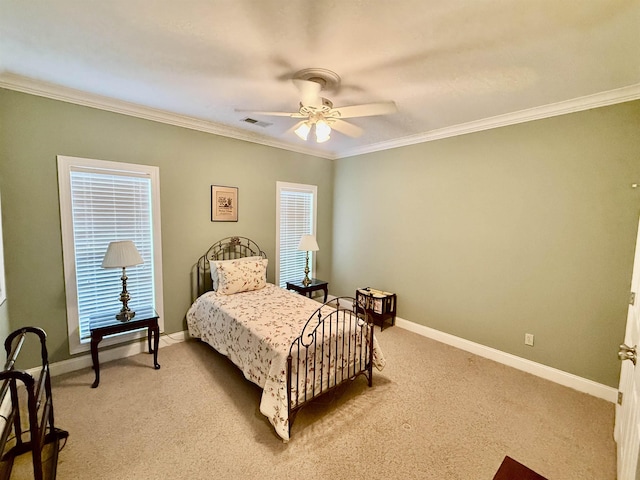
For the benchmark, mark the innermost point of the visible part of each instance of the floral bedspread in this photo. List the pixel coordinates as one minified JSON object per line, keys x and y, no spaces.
{"x":255,"y":330}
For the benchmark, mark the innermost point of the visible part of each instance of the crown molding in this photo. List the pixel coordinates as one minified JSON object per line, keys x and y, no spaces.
{"x":43,"y":89}
{"x":602,"y":99}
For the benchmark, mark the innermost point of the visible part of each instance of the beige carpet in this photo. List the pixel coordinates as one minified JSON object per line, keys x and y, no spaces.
{"x":434,"y":413}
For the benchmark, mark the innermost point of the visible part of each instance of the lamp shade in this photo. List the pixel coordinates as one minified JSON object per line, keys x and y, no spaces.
{"x":121,"y":254}
{"x":308,"y":243}
{"x":303,"y":130}
{"x":323,"y":131}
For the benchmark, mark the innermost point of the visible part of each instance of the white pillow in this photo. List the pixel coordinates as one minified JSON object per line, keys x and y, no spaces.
{"x":213,"y":267}
{"x":242,"y":277}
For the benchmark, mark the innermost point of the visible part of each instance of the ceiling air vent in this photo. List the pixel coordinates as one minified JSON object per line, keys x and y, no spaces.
{"x":253,"y":121}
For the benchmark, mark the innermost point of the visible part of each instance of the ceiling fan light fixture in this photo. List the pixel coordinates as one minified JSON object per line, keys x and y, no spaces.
{"x":323,"y":131}
{"x":317,"y":113}
{"x":303,"y":130}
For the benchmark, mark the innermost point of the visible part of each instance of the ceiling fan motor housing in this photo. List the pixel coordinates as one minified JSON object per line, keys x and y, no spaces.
{"x":328,"y":80}
{"x":312,"y":111}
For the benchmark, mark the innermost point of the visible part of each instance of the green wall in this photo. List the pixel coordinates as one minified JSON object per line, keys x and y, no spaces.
{"x":528,"y":228}
{"x":34,"y":130}
{"x":523,"y":229}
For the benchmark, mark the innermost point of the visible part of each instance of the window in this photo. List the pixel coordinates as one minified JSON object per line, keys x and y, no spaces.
{"x":101,"y":202}
{"x":295,"y":216}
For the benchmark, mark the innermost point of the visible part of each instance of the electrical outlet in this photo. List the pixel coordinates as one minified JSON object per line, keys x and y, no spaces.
{"x":528,"y":339}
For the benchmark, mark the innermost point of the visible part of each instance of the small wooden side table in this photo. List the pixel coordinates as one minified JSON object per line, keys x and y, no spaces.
{"x":309,"y":289}
{"x":380,"y":305}
{"x":101,"y":326}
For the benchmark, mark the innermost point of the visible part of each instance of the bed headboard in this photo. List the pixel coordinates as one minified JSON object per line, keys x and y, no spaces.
{"x":226,"y":249}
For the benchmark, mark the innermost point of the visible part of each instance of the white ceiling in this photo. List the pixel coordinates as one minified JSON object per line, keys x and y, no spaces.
{"x":451,"y":66}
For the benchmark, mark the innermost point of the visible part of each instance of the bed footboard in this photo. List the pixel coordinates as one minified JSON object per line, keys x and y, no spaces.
{"x":335,"y":346}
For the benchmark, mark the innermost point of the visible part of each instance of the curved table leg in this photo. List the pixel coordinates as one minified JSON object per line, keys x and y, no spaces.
{"x":156,"y":344}
{"x":96,"y":362}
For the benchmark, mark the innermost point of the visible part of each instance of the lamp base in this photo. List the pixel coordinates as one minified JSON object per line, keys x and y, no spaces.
{"x":306,"y":281}
{"x":125,"y":315}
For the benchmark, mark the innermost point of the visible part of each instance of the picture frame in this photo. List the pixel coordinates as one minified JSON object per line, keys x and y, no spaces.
{"x":224,"y":203}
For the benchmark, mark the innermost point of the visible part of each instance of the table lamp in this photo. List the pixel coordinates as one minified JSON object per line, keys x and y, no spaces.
{"x":122,"y":255}
{"x":307,"y":243}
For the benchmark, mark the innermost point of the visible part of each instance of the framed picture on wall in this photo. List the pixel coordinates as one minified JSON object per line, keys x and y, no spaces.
{"x":224,"y":204}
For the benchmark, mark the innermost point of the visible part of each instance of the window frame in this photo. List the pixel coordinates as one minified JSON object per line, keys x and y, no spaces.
{"x":65,"y":166}
{"x":296,"y":187}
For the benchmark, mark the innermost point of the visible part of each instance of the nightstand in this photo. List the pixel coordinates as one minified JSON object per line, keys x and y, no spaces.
{"x":106,"y":324}
{"x":309,"y":289}
{"x":380,"y":305}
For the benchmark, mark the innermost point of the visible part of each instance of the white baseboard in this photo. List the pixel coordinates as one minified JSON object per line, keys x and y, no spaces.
{"x":543,"y":371}
{"x":570,"y":380}
{"x":84,"y":361}
{"x":549,"y":373}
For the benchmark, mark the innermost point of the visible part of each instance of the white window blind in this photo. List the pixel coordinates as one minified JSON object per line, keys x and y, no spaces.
{"x":109,"y":207}
{"x":102,"y":202}
{"x":296,"y":217}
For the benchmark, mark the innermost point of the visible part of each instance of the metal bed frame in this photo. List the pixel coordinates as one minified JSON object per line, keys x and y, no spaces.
{"x":228,"y":248}
{"x":348,"y":356}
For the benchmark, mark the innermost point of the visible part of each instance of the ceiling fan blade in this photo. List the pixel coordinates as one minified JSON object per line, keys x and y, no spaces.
{"x":309,"y":92}
{"x":348,"y":129}
{"x":366,"y":110}
{"x":272,"y":114}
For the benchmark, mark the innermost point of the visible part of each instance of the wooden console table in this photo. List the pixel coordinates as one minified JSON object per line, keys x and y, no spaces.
{"x":106,"y":324}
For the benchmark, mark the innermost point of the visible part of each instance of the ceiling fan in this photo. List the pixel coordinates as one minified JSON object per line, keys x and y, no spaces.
{"x":318,"y":114}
